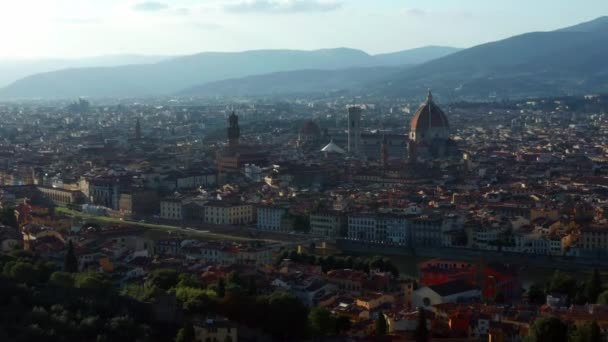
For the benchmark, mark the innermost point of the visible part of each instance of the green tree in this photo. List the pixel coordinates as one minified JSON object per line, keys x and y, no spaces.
{"x":234,"y":278}
{"x":252,"y":288}
{"x":221,"y":288}
{"x":548,"y":329}
{"x":188,"y":280}
{"x":590,"y":332}
{"x":8,"y":218}
{"x":536,"y":295}
{"x":70,"y":263}
{"x":186,"y":333}
{"x":63,"y":279}
{"x":564,"y":284}
{"x":23,"y":272}
{"x":499,"y":298}
{"x":164,"y":278}
{"x":342,"y":324}
{"x":421,"y":334}
{"x":603,"y":298}
{"x":287,"y":317}
{"x":93,"y":281}
{"x":593,"y":287}
{"x":595,"y":334}
{"x":381,"y":325}
{"x":322,"y":322}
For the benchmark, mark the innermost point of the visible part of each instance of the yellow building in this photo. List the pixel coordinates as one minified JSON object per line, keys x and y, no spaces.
{"x":219,"y":212}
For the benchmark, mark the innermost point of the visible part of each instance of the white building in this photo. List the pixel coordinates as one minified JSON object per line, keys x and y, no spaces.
{"x":171,"y":209}
{"x":426,"y":231}
{"x":329,"y":224}
{"x":270,"y":218}
{"x":386,"y":229}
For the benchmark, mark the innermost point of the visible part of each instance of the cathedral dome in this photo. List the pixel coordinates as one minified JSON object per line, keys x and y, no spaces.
{"x":429,"y":116}
{"x":309,"y":128}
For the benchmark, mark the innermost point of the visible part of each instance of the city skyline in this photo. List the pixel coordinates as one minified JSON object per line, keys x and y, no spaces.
{"x":75,"y":29}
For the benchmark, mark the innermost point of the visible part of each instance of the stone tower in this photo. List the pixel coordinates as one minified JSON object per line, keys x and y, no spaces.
{"x":137,"y":130}
{"x":234,"y":132}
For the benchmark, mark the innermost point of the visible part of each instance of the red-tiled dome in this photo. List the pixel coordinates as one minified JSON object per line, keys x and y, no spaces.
{"x":310,"y":128}
{"x":429,"y":115}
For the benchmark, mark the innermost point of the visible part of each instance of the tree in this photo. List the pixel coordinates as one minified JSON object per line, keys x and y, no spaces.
{"x":8,"y":218}
{"x":603,"y":298}
{"x":186,"y":333}
{"x":93,"y":281}
{"x":221,"y":288}
{"x":590,"y":332}
{"x":421,"y":334}
{"x":70,"y":264}
{"x":163,"y":278}
{"x":564,"y":284}
{"x":499,"y":298}
{"x":234,"y":278}
{"x":381,"y":325}
{"x":287,"y":317}
{"x":549,"y":329}
{"x":536,"y":295}
{"x":63,"y":279}
{"x":321,"y":321}
{"x":593,"y":287}
{"x":252,"y":289}
{"x":594,"y":332}
{"x":342,"y":324}
{"x":188,"y":280}
{"x":23,"y":272}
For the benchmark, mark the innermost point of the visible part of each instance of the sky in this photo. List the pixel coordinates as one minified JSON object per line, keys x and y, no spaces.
{"x":79,"y":28}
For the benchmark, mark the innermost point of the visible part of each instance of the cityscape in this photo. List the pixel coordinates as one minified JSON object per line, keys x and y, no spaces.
{"x":432,"y":194}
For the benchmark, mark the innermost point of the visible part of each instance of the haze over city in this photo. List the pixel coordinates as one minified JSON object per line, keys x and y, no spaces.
{"x":303,"y":170}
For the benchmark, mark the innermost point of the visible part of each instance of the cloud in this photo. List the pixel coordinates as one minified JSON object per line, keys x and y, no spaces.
{"x":182,"y":11}
{"x":414,"y":12}
{"x":150,"y":6}
{"x":206,"y":26}
{"x":80,"y":21}
{"x":282,"y":6}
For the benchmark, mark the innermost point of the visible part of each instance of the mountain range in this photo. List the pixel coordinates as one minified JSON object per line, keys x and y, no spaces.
{"x":173,"y":75}
{"x":14,"y":69}
{"x":571,"y":60}
{"x":568,"y":61}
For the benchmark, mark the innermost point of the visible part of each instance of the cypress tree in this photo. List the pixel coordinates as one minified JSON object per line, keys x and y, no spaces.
{"x":70,"y":263}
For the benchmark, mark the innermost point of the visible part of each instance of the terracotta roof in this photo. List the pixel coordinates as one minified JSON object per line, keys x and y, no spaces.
{"x":310,"y":128}
{"x":429,"y":115}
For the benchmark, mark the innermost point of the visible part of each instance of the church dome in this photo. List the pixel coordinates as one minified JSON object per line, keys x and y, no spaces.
{"x":309,"y":128}
{"x":428,"y":116}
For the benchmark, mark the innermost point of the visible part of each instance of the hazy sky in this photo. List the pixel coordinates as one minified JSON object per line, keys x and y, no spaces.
{"x":74,"y":28}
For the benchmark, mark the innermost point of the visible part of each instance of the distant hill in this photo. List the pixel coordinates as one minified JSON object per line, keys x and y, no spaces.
{"x":12,"y":70}
{"x":295,"y":82}
{"x":567,"y":61}
{"x":414,"y":56}
{"x":597,"y":25}
{"x":320,"y":81}
{"x":173,"y":75}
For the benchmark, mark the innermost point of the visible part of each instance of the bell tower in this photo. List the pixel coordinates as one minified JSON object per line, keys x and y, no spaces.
{"x":234,"y":132}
